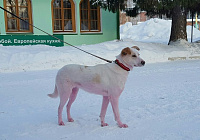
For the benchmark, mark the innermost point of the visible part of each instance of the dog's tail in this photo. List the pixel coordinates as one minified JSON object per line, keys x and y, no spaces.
{"x":54,"y":94}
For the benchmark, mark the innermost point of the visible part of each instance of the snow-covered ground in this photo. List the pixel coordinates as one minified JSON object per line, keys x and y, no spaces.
{"x":161,"y":100}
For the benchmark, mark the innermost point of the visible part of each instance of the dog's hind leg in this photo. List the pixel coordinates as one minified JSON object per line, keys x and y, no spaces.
{"x":64,"y":92}
{"x":71,"y":100}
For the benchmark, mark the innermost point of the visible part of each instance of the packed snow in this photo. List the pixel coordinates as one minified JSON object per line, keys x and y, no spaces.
{"x":161,"y":100}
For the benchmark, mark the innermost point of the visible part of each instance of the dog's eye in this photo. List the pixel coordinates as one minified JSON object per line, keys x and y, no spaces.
{"x":134,"y":56}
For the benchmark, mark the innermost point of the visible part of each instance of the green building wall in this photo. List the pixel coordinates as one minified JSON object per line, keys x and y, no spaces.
{"x":42,"y":18}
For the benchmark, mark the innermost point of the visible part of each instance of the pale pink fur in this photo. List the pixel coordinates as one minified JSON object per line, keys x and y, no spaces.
{"x":107,"y":80}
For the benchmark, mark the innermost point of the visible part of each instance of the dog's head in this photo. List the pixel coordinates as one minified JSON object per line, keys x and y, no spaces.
{"x":131,"y":57}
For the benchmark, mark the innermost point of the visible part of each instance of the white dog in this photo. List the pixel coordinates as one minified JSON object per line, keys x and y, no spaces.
{"x":107,"y":80}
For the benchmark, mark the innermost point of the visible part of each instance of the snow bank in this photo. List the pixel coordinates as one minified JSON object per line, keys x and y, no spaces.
{"x":150,"y":34}
{"x":125,"y":27}
{"x":153,"y":30}
{"x":41,"y":57}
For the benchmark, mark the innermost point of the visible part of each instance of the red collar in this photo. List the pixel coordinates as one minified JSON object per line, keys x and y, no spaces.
{"x":122,"y":65}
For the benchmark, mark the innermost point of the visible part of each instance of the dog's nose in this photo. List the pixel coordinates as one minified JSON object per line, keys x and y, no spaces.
{"x":143,"y":63}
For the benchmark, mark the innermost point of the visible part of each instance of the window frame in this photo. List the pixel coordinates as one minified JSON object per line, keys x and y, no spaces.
{"x":89,"y":18}
{"x":63,"y":19}
{"x":17,"y":19}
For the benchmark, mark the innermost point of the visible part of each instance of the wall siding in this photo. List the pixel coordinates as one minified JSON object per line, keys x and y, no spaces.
{"x":42,"y":18}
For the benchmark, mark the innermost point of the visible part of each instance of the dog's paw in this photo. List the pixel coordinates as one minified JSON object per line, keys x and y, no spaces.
{"x":123,"y":125}
{"x":61,"y":123}
{"x":70,"y":120}
{"x":104,"y":124}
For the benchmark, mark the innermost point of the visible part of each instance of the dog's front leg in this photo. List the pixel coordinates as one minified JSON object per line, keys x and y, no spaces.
{"x":103,"y":110}
{"x":115,"y":106}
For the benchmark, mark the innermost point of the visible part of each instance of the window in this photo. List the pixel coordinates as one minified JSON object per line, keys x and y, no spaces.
{"x":21,"y":8}
{"x":89,"y":17}
{"x":63,"y":16}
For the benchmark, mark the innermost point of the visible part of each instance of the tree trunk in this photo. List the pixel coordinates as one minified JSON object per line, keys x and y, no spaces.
{"x":178,"y":28}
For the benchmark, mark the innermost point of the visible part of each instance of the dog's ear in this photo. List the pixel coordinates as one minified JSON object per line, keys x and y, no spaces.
{"x":126,"y":51}
{"x":136,"y":47}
